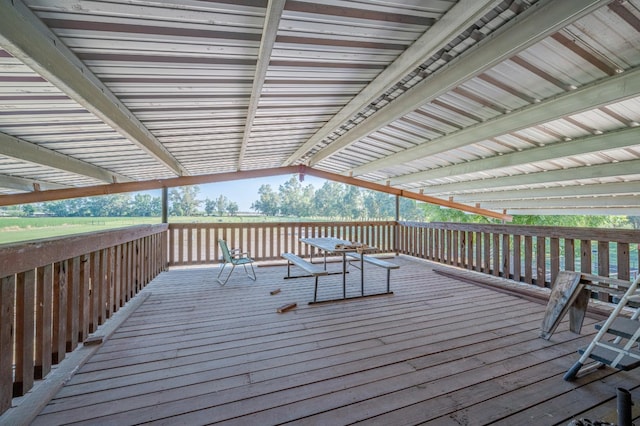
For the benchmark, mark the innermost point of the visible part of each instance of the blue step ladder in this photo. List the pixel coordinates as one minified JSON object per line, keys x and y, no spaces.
{"x":621,"y":352}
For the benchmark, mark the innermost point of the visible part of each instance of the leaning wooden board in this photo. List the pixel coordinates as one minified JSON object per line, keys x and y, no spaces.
{"x":566,"y":289}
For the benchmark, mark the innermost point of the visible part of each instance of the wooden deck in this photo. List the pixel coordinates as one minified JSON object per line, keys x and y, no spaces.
{"x":439,"y":351}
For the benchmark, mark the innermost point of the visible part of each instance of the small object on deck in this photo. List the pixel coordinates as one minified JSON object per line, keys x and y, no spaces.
{"x":287,"y":307}
{"x":93,"y":340}
{"x":274,"y":292}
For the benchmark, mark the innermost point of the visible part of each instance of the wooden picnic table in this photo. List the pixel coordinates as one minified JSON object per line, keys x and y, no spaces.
{"x":331,"y":245}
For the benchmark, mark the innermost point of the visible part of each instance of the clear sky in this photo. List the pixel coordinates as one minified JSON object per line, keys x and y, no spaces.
{"x":245,"y":192}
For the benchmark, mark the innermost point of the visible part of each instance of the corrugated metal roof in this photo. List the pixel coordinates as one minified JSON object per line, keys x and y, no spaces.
{"x":424,"y":95}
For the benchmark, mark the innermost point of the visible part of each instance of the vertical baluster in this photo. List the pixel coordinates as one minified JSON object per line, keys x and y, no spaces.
{"x":463,"y":249}
{"x":104,"y":286}
{"x":554,"y":252}
{"x":478,"y":251}
{"x":84,"y":298}
{"x":44,"y":318}
{"x":94,"y":308}
{"x":624,"y":266}
{"x":486,"y":259}
{"x":117,"y":295}
{"x":111,"y":274}
{"x":24,"y":331}
{"x":569,"y":254}
{"x":190,"y":231}
{"x":585,"y":256}
{"x":73,"y":305}
{"x":541,"y":262}
{"x":59,"y":311}
{"x":496,"y":254}
{"x":7,"y":315}
{"x":470,"y":247}
{"x":131,"y":282}
{"x":517,"y":257}
{"x":603,"y":266}
{"x":528,"y":259}
{"x":506,"y":255}
{"x":172,"y":245}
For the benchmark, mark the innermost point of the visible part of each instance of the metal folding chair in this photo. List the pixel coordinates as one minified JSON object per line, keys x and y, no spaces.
{"x":234,"y":257}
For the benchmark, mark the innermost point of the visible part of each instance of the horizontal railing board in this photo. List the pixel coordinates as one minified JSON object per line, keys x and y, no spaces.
{"x":20,"y":257}
{"x":596,"y":234}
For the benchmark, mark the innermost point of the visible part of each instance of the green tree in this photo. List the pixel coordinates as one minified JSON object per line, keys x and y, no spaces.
{"x":28,"y":209}
{"x":291,"y":197}
{"x":410,"y":209}
{"x":232,"y":208}
{"x":328,"y":200}
{"x":268,"y":203}
{"x":184,"y":201}
{"x":353,"y":203}
{"x":434,"y":213}
{"x":57,"y":208}
{"x":107,"y":205}
{"x":379,"y":205}
{"x":634,"y":221}
{"x":222,"y":203}
{"x":146,"y":205}
{"x":209,"y":206}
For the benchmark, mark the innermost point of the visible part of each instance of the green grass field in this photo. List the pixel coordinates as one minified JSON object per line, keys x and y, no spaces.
{"x":15,"y":229}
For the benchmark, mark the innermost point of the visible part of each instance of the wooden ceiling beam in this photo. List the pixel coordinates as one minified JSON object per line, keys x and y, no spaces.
{"x":534,"y":24}
{"x":461,"y":16}
{"x":612,"y":140}
{"x":599,"y":93}
{"x":22,"y":150}
{"x":27,"y":185}
{"x":595,"y":189}
{"x":25,"y":37}
{"x":572,"y":174}
{"x":269,"y":33}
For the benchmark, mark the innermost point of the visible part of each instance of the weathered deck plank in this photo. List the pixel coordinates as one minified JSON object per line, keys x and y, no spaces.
{"x":438,"y":350}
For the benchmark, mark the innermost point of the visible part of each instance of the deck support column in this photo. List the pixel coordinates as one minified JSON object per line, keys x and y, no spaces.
{"x":165,"y":205}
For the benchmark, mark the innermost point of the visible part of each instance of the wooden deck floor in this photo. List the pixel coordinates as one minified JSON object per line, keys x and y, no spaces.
{"x":439,"y":351}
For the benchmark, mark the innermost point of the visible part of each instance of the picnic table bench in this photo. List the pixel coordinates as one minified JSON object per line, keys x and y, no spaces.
{"x":311,"y":270}
{"x":374,"y":261}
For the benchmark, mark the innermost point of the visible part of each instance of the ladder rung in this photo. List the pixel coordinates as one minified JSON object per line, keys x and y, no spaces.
{"x":623,"y":327}
{"x":606,"y":356}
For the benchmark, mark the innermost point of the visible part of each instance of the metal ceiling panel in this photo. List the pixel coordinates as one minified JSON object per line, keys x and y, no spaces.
{"x":203,"y":81}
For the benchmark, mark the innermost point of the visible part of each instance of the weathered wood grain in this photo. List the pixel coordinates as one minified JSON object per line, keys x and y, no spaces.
{"x":438,"y":350}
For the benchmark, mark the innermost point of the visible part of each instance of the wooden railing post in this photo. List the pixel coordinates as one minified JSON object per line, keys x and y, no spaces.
{"x":7,"y":324}
{"x":24,"y":331}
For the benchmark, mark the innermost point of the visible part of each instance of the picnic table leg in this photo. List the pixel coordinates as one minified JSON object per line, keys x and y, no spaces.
{"x":362,"y":274}
{"x":315,"y":291}
{"x":344,"y":275}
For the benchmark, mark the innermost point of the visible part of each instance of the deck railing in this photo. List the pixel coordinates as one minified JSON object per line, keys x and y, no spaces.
{"x":197,"y":243}
{"x":54,"y":292}
{"x":530,"y":254}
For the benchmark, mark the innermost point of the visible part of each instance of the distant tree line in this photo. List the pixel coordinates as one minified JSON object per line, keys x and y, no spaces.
{"x":102,"y":206}
{"x":182,"y":202}
{"x":333,"y":200}
{"x":293,"y":199}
